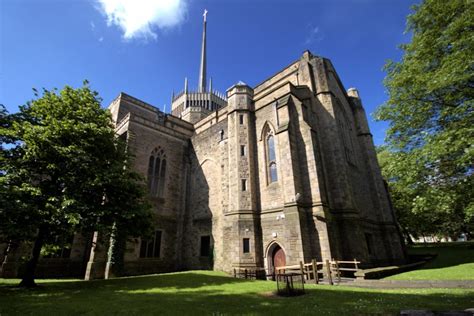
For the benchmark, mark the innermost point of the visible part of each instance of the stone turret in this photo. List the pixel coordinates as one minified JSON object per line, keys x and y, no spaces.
{"x":241,"y":139}
{"x":192,"y":106}
{"x":242,"y":218}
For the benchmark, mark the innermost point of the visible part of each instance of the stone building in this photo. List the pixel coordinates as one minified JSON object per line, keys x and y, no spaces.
{"x":278,"y":173}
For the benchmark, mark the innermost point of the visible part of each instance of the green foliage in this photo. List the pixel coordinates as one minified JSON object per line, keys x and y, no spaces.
{"x":430,"y":152}
{"x":68,"y":171}
{"x":214,"y":293}
{"x":53,"y":250}
{"x":5,"y":123}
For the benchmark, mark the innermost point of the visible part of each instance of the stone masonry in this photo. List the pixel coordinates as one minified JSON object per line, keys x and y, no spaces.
{"x":287,"y":165}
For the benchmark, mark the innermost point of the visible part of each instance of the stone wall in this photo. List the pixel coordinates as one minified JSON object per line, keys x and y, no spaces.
{"x":328,"y":201}
{"x":337,"y":177}
{"x":144,"y":136}
{"x":286,"y":205}
{"x":207,"y":199}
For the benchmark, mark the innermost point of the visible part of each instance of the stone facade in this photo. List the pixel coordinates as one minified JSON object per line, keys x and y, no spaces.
{"x":288,"y":164}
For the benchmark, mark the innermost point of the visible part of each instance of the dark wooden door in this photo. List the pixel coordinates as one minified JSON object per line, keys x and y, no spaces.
{"x":279,"y":259}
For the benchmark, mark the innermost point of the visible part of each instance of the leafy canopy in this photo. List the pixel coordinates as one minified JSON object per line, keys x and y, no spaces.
{"x":430,"y":110}
{"x":66,"y":171}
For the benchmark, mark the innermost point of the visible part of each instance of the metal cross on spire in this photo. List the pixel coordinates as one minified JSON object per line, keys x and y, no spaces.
{"x":202,"y":72}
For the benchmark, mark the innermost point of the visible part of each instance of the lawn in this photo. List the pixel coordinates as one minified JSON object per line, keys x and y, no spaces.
{"x":214,"y":293}
{"x":455,"y":261}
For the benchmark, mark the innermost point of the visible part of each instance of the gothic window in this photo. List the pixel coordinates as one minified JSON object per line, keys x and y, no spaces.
{"x":151,"y":248}
{"x":157,"y":172}
{"x":272,"y":173}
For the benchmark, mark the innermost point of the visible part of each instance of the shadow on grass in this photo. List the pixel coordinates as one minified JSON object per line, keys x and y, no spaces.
{"x":179,"y":280}
{"x":203,"y":293}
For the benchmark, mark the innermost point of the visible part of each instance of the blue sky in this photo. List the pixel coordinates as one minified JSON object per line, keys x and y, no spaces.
{"x":148,"y":48}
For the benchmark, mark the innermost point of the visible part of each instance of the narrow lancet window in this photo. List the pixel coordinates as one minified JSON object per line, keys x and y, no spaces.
{"x":272,"y":173}
{"x":161,"y":182}
{"x":271,"y":147}
{"x":157,"y":173}
{"x":151,"y":163}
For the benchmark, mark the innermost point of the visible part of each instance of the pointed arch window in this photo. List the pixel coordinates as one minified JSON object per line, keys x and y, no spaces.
{"x":271,"y":164}
{"x":157,"y":172}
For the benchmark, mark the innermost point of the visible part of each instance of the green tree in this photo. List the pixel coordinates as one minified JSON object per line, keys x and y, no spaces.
{"x":67,"y":173}
{"x":9,"y":200}
{"x":430,"y":110}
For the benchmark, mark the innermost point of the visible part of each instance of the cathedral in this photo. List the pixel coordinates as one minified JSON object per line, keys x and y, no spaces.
{"x":257,"y":177}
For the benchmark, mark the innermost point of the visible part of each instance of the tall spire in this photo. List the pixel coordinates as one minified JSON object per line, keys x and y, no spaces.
{"x":202,"y":72}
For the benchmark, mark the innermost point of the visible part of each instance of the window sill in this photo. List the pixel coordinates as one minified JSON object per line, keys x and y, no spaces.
{"x":273,"y":184}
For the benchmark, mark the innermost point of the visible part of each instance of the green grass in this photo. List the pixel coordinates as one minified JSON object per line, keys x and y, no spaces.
{"x":455,"y":261}
{"x":214,"y":293}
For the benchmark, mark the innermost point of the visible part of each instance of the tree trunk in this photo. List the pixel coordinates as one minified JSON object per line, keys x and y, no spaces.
{"x":110,"y":254}
{"x":5,"y":256}
{"x":29,"y":277}
{"x":90,"y":264}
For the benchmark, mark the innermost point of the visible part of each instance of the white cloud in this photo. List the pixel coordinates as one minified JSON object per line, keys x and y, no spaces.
{"x":314,"y":35}
{"x":139,"y":18}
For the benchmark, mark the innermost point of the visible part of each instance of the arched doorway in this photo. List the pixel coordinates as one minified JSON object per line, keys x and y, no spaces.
{"x":276,"y":258}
